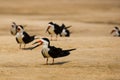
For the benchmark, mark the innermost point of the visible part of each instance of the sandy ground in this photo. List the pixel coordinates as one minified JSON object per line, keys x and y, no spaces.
{"x":98,"y":53}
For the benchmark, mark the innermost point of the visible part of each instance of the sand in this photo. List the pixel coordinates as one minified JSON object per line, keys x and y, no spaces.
{"x":97,"y":56}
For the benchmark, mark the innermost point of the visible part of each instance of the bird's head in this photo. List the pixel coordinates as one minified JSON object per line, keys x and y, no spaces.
{"x":20,"y":28}
{"x":115,"y":29}
{"x":50,"y":25}
{"x":13,"y":29}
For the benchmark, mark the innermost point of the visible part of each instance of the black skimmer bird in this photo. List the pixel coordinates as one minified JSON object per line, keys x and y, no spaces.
{"x":51,"y":51}
{"x":22,"y":37}
{"x":116,"y":31}
{"x":14,"y":28}
{"x":54,"y":28}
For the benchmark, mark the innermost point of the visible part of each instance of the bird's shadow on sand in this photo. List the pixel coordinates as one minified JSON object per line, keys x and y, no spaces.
{"x":29,"y":48}
{"x":58,"y":63}
{"x":61,"y":63}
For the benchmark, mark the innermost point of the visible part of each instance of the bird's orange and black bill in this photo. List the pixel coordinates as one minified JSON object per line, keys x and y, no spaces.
{"x":48,"y":28}
{"x":38,"y":42}
{"x":112,"y":31}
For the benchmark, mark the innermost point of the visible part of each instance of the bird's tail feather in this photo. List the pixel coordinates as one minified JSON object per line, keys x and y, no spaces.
{"x":70,"y":49}
{"x":65,"y":52}
{"x":68,"y":26}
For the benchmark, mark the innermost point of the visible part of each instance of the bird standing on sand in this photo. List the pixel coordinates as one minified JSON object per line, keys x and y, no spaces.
{"x":51,"y":51}
{"x":54,"y":28}
{"x":23,"y":37}
{"x":116,"y":31}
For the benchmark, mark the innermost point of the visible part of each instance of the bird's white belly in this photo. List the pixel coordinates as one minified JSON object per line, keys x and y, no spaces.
{"x":63,"y":32}
{"x":51,"y":30}
{"x":45,"y":52}
{"x":117,"y":34}
{"x":20,"y":37}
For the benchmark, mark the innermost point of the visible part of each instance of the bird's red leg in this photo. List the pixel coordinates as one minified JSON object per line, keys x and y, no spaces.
{"x":20,"y":46}
{"x":53,"y":61}
{"x":56,"y":38}
{"x":47,"y":61}
{"x":51,"y":37}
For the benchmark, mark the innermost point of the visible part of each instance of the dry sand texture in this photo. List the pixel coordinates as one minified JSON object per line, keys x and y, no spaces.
{"x":98,"y":53}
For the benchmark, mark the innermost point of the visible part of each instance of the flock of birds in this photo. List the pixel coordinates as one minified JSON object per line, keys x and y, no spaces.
{"x":22,"y":37}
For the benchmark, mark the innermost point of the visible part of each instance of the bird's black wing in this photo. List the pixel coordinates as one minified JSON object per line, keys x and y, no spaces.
{"x":68,"y":33}
{"x":54,"y":52}
{"x":26,"y":37}
{"x":57,"y":29}
{"x":57,"y":52}
{"x":63,"y":25}
{"x":119,"y":33}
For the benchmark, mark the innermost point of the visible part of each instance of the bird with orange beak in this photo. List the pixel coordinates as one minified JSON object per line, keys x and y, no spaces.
{"x":51,"y":51}
{"x":55,"y":29}
{"x":22,"y":37}
{"x":116,"y":32}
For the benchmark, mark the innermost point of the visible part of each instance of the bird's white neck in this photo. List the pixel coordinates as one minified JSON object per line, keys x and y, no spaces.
{"x":45,"y":46}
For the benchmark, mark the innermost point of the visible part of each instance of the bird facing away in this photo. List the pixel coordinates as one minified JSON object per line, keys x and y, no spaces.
{"x":51,"y":51}
{"x":116,"y":32}
{"x":14,"y":28}
{"x":22,"y":37}
{"x":54,"y":28}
